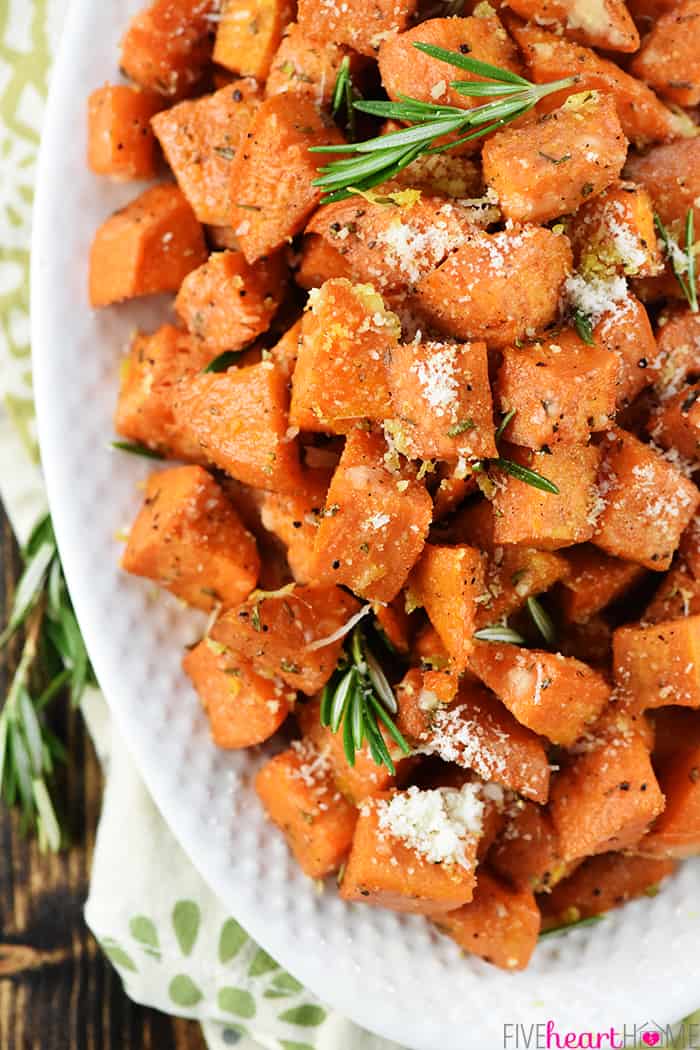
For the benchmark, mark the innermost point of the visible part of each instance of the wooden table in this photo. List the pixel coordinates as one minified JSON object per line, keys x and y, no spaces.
{"x":57,"y":992}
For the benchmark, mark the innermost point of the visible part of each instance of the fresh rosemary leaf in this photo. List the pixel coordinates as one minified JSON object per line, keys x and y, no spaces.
{"x":530,"y":477}
{"x":134,"y":449}
{"x":499,"y":633}
{"x":390,"y":725}
{"x":682,"y":260}
{"x":357,"y":721}
{"x":340,"y":700}
{"x":29,"y":589}
{"x":471,"y":65}
{"x":47,"y":825}
{"x":340,"y":81}
{"x":348,"y":731}
{"x":542,"y":621}
{"x":591,"y":920}
{"x":461,"y":428}
{"x":222,"y":362}
{"x":583,"y":326}
{"x":380,"y":683}
{"x":481,"y":88}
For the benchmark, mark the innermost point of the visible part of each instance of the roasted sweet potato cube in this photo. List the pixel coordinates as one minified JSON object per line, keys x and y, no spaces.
{"x":148,"y":247}
{"x":120,"y":139}
{"x":395,"y":864}
{"x":275,"y":167}
{"x":277,"y":632}
{"x":299,"y":794}
{"x":189,"y":539}
{"x":551,"y":168}
{"x":304,"y":65}
{"x":200,"y":139}
{"x":614,"y":30}
{"x":227,"y":302}
{"x":676,"y":425}
{"x":560,"y":389}
{"x":441,"y":403}
{"x":249,"y":33}
{"x":594,"y":581}
{"x":669,"y":60}
{"x":526,"y":851}
{"x":606,"y":798}
{"x":625,"y":331}
{"x":239,"y":419}
{"x":590,"y":642}
{"x":614,"y":233}
{"x":600,"y":884}
{"x":449,"y":174}
{"x":360,"y":27}
{"x":500,"y":925}
{"x":529,"y":517}
{"x":429,"y":649}
{"x":676,"y":833}
{"x":286,"y":350}
{"x":454,"y":485}
{"x":341,"y":372}
{"x":514,"y":574}
{"x":675,"y":729}
{"x":244,"y":709}
{"x":320,"y":262}
{"x":554,"y":695}
{"x":660,"y":664}
{"x":643,"y":117}
{"x":474,"y":524}
{"x":498,"y":287}
{"x":678,"y":595}
{"x":168,"y":44}
{"x":374,"y":524}
{"x":419,"y":694}
{"x":645,"y":502}
{"x":446,"y":582}
{"x":671,"y":176}
{"x":295,"y":517}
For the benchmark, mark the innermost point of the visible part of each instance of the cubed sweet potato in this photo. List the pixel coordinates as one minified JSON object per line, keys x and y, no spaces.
{"x":453,"y":488}
{"x":548,"y":169}
{"x":168,"y":45}
{"x":590,"y":642}
{"x":645,"y":502}
{"x":341,"y":374}
{"x":498,"y":287}
{"x":320,"y":262}
{"x":244,"y":709}
{"x":120,"y":139}
{"x":676,"y":833}
{"x":669,"y":60}
{"x":526,"y":851}
{"x":147,"y":247}
{"x":295,"y":517}
{"x":385,"y":870}
{"x":249,"y":33}
{"x":277,"y":631}
{"x":429,"y":649}
{"x":374,"y":524}
{"x":554,"y":695}
{"x":275,"y":167}
{"x":500,"y":925}
{"x":286,"y":350}
{"x":594,"y":581}
{"x":474,"y":524}
{"x":200,"y":139}
{"x":299,"y":794}
{"x":304,"y":65}
{"x":189,"y":539}
{"x":514,"y":574}
{"x":614,"y":233}
{"x":608,"y":25}
{"x":625,"y":331}
{"x":676,"y":729}
{"x":659,"y":664}
{"x":676,"y":425}
{"x":447,"y":174}
{"x":227,"y":302}
{"x":447,"y":581}
{"x":359,"y":26}
{"x":671,"y":176}
{"x":678,"y":595}
{"x":678,"y":339}
{"x":395,"y":623}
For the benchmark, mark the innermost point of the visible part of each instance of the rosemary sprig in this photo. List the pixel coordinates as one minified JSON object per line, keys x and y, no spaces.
{"x":682,"y":260}
{"x":135,"y":449}
{"x":591,"y":920}
{"x":222,"y":362}
{"x":344,"y":96}
{"x":508,"y":466}
{"x":359,"y":699}
{"x":582,"y":324}
{"x":53,"y":659}
{"x":542,"y":621}
{"x":377,"y":159}
{"x":499,"y":633}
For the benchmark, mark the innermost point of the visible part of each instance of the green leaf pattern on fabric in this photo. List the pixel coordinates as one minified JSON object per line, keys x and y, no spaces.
{"x":307,"y":1016}
{"x":186,"y":919}
{"x":183,"y":991}
{"x":236,"y":1001}
{"x":262,"y":963}
{"x":143,"y":929}
{"x":231,"y":940}
{"x":116,"y":955}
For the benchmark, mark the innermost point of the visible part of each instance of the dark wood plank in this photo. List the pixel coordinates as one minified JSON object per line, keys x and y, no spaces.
{"x":57,"y":992}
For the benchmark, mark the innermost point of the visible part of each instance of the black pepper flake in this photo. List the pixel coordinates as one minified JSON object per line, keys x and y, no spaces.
{"x":335,"y":564}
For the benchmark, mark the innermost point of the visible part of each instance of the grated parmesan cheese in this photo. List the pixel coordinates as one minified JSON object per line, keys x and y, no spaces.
{"x":436,"y":824}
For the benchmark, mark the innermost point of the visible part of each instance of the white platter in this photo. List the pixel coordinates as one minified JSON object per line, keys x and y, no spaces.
{"x":392,"y":975}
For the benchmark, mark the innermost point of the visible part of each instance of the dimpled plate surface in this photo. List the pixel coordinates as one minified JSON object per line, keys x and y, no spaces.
{"x":393,"y":975}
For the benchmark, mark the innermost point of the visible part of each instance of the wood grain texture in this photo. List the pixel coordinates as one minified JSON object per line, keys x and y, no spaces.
{"x":57,"y":992}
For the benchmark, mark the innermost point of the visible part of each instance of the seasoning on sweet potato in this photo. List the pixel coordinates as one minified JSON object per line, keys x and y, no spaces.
{"x":548,"y":169}
{"x":304,"y":65}
{"x":498,"y":287}
{"x":374,"y":524}
{"x":600,"y":884}
{"x":514,"y":574}
{"x":120,"y":139}
{"x":147,"y":247}
{"x":395,"y":623}
{"x":429,"y":649}
{"x":669,"y":60}
{"x":676,"y":425}
{"x":625,"y":331}
{"x":168,"y":44}
{"x":271,"y":178}
{"x":286,"y":350}
{"x":676,"y":833}
{"x":295,"y":516}
{"x":447,"y":581}
{"x":614,"y":233}
{"x":500,"y":925}
{"x":526,"y":851}
{"x":608,"y":25}
{"x":320,"y":262}
{"x":453,"y":488}
{"x":341,"y":372}
{"x":227,"y":302}
{"x":189,"y":539}
{"x":659,"y":664}
{"x":594,"y":581}
{"x":560,"y":389}
{"x":678,"y":594}
{"x":244,"y":709}
{"x":554,"y":695}
{"x":200,"y":138}
{"x":249,"y":33}
{"x":671,"y":176}
{"x":645,"y":502}
{"x":299,"y":794}
{"x":360,"y":26}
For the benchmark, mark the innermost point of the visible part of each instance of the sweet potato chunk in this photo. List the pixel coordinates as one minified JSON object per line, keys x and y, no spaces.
{"x":189,"y":539}
{"x":645,"y":503}
{"x":671,"y":176}
{"x":276,"y":630}
{"x":497,"y":287}
{"x":295,"y":517}
{"x":594,"y":581}
{"x":320,"y":262}
{"x":148,"y":247}
{"x":341,"y":373}
{"x":514,"y":574}
{"x":561,"y":390}
{"x":625,"y":331}
{"x":550,"y":168}
{"x":554,"y":695}
{"x":500,"y":925}
{"x":120,"y":139}
{"x":304,"y":65}
{"x":608,"y":26}
{"x":676,"y":833}
{"x":249,"y":33}
{"x":677,"y":423}
{"x":660,"y":664}
{"x":359,"y":26}
{"x":276,"y":167}
{"x":168,"y":44}
{"x":600,"y":884}
{"x":614,"y":233}
{"x":244,"y":709}
{"x":226,"y":303}
{"x":385,"y":868}
{"x":447,"y":581}
{"x":299,"y":794}
{"x":452,"y":488}
{"x":200,"y":139}
{"x":526,"y":851}
{"x":678,"y":594}
{"x":374,"y":524}
{"x":669,"y":60}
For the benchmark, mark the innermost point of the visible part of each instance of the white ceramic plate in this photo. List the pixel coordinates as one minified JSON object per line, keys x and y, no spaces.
{"x":393,"y":975}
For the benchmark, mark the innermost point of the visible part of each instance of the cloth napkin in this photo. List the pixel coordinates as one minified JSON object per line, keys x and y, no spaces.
{"x":172,"y":941}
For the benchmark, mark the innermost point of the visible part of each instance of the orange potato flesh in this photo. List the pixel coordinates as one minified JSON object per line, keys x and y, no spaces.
{"x":513,"y":574}
{"x":249,"y":33}
{"x":168,"y":44}
{"x":303,"y":65}
{"x":320,"y":262}
{"x":626,"y":332}
{"x":676,"y":833}
{"x":615,"y":233}
{"x":446,"y":582}
{"x":669,"y":60}
{"x":526,"y":852}
{"x":659,"y":664}
{"x":594,"y":581}
{"x":361,"y":27}
{"x":294,"y":517}
{"x":677,"y":424}
{"x":613,"y":29}
{"x":671,"y":176}
{"x":678,"y":595}
{"x":678,"y":338}
{"x":120,"y":140}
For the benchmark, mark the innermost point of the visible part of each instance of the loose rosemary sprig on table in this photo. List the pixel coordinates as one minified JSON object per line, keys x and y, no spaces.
{"x":53,"y":659}
{"x":377,"y":159}
{"x":682,"y":260}
{"x":359,"y":699}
